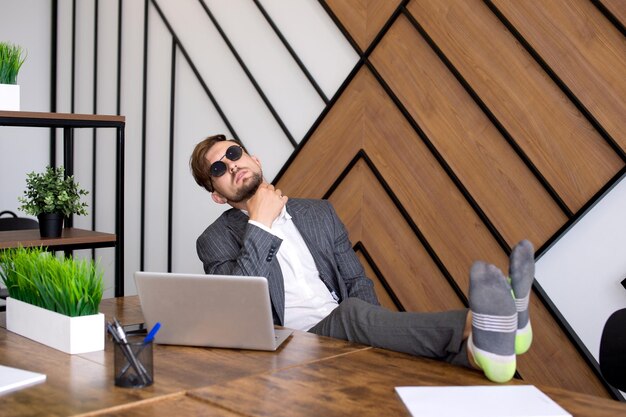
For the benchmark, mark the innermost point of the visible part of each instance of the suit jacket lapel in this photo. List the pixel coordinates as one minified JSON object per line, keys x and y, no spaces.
{"x":237,"y":221}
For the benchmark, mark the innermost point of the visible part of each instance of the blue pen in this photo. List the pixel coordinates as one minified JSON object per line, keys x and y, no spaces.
{"x":152,"y":333}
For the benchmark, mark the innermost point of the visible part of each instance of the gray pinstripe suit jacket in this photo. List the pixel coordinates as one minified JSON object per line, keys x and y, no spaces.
{"x":232,"y":246}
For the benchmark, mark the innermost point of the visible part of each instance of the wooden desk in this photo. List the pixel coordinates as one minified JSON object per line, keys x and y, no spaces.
{"x":308,"y":376}
{"x":84,"y":382}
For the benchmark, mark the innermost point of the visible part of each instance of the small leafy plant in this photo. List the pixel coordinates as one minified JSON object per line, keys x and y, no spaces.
{"x":52,"y":192}
{"x":11,"y":60}
{"x":68,"y":286}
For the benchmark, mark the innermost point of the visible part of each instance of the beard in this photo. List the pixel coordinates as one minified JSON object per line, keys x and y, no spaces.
{"x":248,"y":189}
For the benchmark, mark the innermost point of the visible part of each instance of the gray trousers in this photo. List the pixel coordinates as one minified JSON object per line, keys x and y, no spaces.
{"x":430,"y":335}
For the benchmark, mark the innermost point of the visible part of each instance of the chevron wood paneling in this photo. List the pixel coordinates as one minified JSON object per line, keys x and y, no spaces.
{"x":364,"y":19}
{"x":399,"y":255}
{"x":366,"y":114}
{"x":593,"y":67}
{"x":488,"y":167}
{"x":573,"y":157}
{"x":451,"y":144}
{"x":365,"y":117}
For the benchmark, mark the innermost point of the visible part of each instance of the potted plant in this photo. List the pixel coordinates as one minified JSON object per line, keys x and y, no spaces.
{"x":53,"y":300}
{"x":11,"y":60}
{"x":51,"y":196}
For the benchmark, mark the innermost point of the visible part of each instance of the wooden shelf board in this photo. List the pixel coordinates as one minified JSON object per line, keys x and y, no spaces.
{"x":70,"y":237}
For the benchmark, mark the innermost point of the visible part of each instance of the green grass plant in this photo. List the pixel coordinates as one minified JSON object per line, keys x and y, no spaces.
{"x":11,"y":60}
{"x":68,"y":286}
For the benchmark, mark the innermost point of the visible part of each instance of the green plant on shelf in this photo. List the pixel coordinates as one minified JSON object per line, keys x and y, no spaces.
{"x":65,"y":285}
{"x":52,"y":192}
{"x":11,"y":59}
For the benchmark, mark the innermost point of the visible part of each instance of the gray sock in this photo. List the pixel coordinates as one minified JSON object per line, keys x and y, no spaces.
{"x":522,"y":274}
{"x":494,"y":322}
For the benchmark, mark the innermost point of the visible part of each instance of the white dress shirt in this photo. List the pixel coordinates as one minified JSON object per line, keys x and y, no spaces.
{"x":307,"y":299}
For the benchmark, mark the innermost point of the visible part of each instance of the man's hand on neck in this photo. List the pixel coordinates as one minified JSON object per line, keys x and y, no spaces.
{"x":266,"y":204}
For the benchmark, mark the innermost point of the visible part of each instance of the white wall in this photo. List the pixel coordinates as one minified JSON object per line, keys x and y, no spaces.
{"x":582,"y":271}
{"x":25,"y":23}
{"x":305,"y":25}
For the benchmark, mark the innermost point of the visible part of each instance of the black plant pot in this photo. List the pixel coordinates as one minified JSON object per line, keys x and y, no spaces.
{"x":50,"y":224}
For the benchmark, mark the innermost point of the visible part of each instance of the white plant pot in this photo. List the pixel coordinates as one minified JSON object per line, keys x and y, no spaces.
{"x":10,"y":97}
{"x":67,"y":334}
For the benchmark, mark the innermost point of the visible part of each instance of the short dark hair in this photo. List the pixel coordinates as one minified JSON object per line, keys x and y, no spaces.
{"x":200,"y":167}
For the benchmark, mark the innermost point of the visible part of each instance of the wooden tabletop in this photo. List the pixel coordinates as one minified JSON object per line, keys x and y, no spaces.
{"x":84,"y":382}
{"x":308,"y":376}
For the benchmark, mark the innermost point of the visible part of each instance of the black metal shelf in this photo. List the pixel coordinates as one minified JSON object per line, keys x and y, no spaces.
{"x":68,"y":122}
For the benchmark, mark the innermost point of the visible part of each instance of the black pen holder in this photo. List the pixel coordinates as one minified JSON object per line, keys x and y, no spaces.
{"x":133,"y":363}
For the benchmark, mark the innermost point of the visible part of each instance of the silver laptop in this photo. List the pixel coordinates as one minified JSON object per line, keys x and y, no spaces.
{"x":209,"y":310}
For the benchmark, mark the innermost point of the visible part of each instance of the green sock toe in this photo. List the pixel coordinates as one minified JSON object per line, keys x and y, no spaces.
{"x":496,"y":368}
{"x":523,"y":339}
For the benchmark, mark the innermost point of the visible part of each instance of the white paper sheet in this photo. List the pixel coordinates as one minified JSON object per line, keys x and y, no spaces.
{"x":479,"y":401}
{"x":12,"y":379}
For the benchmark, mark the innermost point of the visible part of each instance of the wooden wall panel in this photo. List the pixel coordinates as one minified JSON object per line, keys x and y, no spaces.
{"x":593,"y":67}
{"x":432,"y":200}
{"x":363,"y":18}
{"x":408,"y":268}
{"x":423,"y":178}
{"x":572,"y":156}
{"x":389,"y":240}
{"x":617,"y":8}
{"x":332,"y":146}
{"x":384,"y":298}
{"x":505,"y":189}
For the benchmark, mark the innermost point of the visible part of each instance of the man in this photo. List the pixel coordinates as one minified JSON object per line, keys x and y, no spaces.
{"x":317,"y":283}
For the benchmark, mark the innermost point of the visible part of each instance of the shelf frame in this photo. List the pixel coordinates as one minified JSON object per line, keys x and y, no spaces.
{"x":88,"y":239}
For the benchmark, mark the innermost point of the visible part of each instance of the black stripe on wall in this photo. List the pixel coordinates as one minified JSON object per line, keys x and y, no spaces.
{"x":144,"y":116}
{"x":293,"y":54}
{"x":54,"y":53}
{"x":171,"y":158}
{"x":360,"y":247}
{"x":245,"y":69}
{"x":94,"y":153}
{"x":610,"y":16}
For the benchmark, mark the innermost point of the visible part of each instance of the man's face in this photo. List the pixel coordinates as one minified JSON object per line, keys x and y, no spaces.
{"x":242,"y":177}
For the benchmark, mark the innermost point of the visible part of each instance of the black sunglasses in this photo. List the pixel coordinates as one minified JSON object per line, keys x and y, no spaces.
{"x":218,"y":168}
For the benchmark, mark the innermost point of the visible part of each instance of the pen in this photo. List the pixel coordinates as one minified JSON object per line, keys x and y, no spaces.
{"x":152,"y":333}
{"x":149,"y":337}
{"x":117,"y":340}
{"x":128,"y":352}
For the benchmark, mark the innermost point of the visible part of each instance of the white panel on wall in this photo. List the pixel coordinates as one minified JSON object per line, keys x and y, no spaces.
{"x":83,"y":99}
{"x":106,"y":138}
{"x":193,"y":208}
{"x":313,"y":35}
{"x":278,"y":75}
{"x":64,"y":60}
{"x":157,"y":144}
{"x":131,"y":108}
{"x":581,"y":272}
{"x":23,"y":150}
{"x":224,"y":77}
{"x":64,"y":68}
